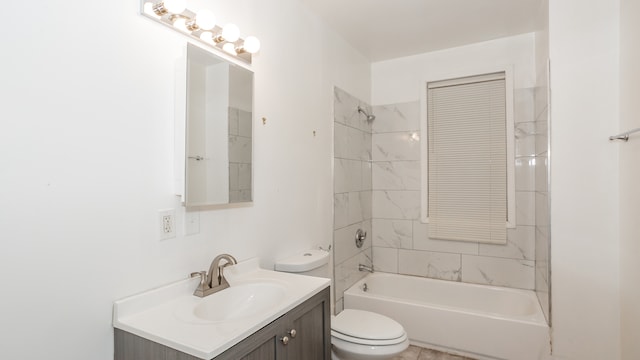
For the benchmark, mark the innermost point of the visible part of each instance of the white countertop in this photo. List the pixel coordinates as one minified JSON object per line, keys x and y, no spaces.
{"x":159,"y":314}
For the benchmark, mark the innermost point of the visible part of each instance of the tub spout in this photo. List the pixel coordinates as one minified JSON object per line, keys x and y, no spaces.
{"x":362,"y":267}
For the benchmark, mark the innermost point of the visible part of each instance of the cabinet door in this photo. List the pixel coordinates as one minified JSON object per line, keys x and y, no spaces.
{"x":262,"y":345}
{"x":312,"y":340}
{"x":266,"y":351}
{"x":308,"y":343}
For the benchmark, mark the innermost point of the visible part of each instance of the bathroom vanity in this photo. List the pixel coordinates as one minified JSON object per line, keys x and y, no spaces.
{"x":269,"y":315}
{"x":302,"y":333}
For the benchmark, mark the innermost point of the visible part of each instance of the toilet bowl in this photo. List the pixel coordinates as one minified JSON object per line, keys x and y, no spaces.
{"x":355,"y":334}
{"x":364,"y":335}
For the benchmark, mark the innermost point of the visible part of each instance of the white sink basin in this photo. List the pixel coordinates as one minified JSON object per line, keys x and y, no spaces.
{"x":239,"y":301}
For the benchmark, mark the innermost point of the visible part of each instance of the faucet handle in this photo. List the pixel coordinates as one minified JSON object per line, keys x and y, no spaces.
{"x":202,"y":287}
{"x":203,"y":276}
{"x":323,"y":249}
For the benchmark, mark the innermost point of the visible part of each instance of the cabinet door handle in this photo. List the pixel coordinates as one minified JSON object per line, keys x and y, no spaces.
{"x":285,"y":340}
{"x":293,"y":333}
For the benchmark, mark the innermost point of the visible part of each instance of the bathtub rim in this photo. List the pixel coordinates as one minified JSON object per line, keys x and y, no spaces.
{"x":537,"y":318}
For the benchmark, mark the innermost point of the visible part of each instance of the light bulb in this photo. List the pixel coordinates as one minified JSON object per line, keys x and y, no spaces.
{"x":251,"y":44}
{"x":207,"y":36}
{"x":175,"y":6}
{"x":181,"y":24}
{"x":148,"y":9}
{"x":205,"y":20}
{"x":230,"y":33}
{"x":229,"y":48}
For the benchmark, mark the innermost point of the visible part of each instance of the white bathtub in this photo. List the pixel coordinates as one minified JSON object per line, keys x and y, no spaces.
{"x":479,"y":321}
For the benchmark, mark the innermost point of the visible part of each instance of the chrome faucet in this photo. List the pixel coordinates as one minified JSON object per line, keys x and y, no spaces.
{"x":210,"y":284}
{"x":362,"y":267}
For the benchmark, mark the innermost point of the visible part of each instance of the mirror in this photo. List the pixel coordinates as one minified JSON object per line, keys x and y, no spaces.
{"x":219,"y":129}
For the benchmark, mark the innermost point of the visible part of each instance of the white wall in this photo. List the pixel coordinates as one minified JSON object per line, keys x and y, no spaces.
{"x":630,"y":178}
{"x":399,"y":80}
{"x":584,"y":45}
{"x":86,"y":161}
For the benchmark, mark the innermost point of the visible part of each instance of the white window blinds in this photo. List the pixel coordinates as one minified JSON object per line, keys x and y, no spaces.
{"x":467,"y":159}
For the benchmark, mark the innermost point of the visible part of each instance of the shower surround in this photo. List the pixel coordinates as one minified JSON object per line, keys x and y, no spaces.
{"x":377,"y":188}
{"x":401,"y":243}
{"x":352,"y":191}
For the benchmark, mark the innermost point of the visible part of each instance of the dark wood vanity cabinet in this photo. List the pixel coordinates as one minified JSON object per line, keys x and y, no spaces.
{"x":304,"y":333}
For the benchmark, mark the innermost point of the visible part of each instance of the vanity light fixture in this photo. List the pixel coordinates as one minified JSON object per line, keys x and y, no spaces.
{"x":201,"y":26}
{"x":180,"y":23}
{"x":229,"y":33}
{"x":229,"y":48}
{"x":168,"y":6}
{"x":251,"y":45}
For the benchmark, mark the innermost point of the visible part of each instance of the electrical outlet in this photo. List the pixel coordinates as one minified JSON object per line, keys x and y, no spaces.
{"x":167,"y":224}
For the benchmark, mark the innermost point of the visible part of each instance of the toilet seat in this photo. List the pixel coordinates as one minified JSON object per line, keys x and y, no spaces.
{"x":361,"y":341}
{"x":367,"y":328}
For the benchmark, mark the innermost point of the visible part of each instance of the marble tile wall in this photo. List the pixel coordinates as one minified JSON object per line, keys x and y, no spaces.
{"x":543,"y":231}
{"x":352,"y":192}
{"x":400,"y":240}
{"x":240,"y":126}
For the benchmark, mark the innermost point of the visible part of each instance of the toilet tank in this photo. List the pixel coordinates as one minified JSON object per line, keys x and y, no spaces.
{"x":310,"y":262}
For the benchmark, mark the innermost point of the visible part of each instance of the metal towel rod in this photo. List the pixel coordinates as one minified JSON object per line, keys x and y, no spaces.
{"x":624,"y":136}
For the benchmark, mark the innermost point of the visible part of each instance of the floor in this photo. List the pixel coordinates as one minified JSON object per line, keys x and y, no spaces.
{"x":418,"y":353}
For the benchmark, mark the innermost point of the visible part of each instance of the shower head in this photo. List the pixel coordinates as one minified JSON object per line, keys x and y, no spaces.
{"x":369,"y":117}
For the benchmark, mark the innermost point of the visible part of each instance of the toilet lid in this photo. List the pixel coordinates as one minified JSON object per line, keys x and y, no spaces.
{"x":366,"y":325}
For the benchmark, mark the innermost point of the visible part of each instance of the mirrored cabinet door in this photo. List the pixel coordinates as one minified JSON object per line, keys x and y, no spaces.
{"x":219,"y":131}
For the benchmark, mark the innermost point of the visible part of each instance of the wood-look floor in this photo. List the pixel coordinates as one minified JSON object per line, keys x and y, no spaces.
{"x":418,"y":353}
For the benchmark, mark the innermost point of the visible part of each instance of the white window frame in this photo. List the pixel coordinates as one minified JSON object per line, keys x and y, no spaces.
{"x":510,"y":124}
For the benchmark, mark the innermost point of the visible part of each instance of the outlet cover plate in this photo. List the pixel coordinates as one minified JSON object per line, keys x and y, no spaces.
{"x":167,"y":224}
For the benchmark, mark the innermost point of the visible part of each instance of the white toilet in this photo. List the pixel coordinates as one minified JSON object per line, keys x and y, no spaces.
{"x":355,"y":334}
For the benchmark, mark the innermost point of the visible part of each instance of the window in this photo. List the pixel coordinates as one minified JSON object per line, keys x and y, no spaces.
{"x":469,"y":159}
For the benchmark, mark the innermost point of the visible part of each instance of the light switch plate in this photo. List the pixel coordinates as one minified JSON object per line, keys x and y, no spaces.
{"x":191,"y":222}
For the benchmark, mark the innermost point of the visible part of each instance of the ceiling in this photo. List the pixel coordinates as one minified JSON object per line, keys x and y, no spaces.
{"x":387,"y":29}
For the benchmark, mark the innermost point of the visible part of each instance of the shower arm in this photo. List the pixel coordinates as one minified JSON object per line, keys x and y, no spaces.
{"x":369,"y":117}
